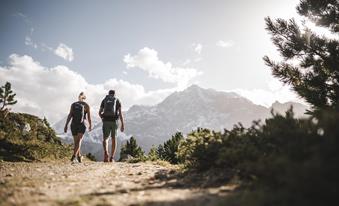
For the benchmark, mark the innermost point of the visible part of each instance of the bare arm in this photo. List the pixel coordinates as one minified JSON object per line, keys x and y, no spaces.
{"x":89,"y":118}
{"x":122,"y":128}
{"x":69,"y":117}
{"x":100,"y":112}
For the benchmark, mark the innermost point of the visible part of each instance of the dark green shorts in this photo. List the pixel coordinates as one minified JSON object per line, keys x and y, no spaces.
{"x":109,"y":127}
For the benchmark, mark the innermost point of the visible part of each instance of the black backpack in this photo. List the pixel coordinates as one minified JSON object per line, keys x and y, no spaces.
{"x":78,"y":112}
{"x":110,"y":107}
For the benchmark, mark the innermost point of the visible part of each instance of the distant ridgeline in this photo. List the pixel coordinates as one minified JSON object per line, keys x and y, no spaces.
{"x":25,"y":137}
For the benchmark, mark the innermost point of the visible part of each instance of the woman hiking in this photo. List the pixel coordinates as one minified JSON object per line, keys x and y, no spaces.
{"x":78,"y":112}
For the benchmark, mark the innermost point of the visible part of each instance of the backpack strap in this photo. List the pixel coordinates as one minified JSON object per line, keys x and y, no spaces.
{"x":82,"y":111}
{"x":115,"y":106}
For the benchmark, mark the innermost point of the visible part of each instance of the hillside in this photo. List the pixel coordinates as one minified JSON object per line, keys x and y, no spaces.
{"x":25,"y":137}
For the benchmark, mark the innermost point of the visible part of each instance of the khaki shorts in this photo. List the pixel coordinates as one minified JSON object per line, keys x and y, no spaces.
{"x":109,"y":127}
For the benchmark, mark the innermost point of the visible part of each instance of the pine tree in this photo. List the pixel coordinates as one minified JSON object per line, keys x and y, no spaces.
{"x":160,"y":151}
{"x":45,"y":121}
{"x":131,"y":148}
{"x":311,"y":62}
{"x":170,"y":148}
{"x":153,"y":154}
{"x":6,"y":96}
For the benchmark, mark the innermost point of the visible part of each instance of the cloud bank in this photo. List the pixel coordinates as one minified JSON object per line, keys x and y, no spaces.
{"x":50,"y":91}
{"x":277,"y":92}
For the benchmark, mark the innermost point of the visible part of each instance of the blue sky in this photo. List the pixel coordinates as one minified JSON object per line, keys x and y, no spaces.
{"x":154,"y":46}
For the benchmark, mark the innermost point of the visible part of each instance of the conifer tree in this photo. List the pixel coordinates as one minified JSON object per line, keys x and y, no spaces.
{"x":170,"y":148}
{"x":131,"y":148}
{"x":6,"y":96}
{"x":160,"y":151}
{"x":310,"y":61}
{"x":153,"y":154}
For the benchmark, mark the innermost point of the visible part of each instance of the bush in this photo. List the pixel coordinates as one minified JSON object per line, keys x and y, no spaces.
{"x":91,"y":157}
{"x":286,"y":155}
{"x":200,"y":149}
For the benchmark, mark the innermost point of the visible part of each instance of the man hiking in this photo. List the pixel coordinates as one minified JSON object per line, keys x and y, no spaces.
{"x":78,"y":112}
{"x":110,"y":112}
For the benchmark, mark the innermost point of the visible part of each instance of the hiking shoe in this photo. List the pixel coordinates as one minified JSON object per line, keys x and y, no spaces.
{"x":105,"y":158}
{"x":111,"y":159}
{"x":79,"y":158}
{"x":74,"y":159}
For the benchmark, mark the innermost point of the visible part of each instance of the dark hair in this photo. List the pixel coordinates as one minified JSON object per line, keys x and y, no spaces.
{"x":111,"y":92}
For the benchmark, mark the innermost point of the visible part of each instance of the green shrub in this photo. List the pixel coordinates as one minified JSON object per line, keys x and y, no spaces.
{"x":91,"y":157}
{"x":200,"y":149}
{"x":295,"y":158}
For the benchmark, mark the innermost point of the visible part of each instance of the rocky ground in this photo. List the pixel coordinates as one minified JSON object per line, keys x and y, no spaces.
{"x":98,"y":183}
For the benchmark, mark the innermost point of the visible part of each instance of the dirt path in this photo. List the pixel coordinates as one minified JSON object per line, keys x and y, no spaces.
{"x":97,"y":183}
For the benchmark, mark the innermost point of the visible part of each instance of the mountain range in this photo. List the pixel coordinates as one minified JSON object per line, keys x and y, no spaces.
{"x":181,"y":111}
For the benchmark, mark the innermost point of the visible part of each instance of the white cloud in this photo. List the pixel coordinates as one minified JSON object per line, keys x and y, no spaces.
{"x":197,"y":48}
{"x":186,"y":62}
{"x":276,"y":92}
{"x":62,"y":50}
{"x":65,"y":52}
{"x":147,"y":60}
{"x":224,"y":44}
{"x":190,"y":61}
{"x":199,"y":59}
{"x":29,"y":42}
{"x":50,"y":91}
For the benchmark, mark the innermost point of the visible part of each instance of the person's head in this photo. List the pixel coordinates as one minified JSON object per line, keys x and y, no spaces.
{"x":82,"y":96}
{"x":111,"y":92}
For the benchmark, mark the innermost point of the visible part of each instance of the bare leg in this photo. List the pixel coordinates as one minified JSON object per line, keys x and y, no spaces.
{"x":79,"y":140}
{"x":113,"y":146}
{"x":105,"y":145}
{"x":76,"y":146}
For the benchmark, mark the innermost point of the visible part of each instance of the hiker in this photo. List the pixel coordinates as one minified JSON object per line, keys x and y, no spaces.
{"x":78,"y":113}
{"x":110,"y":112}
